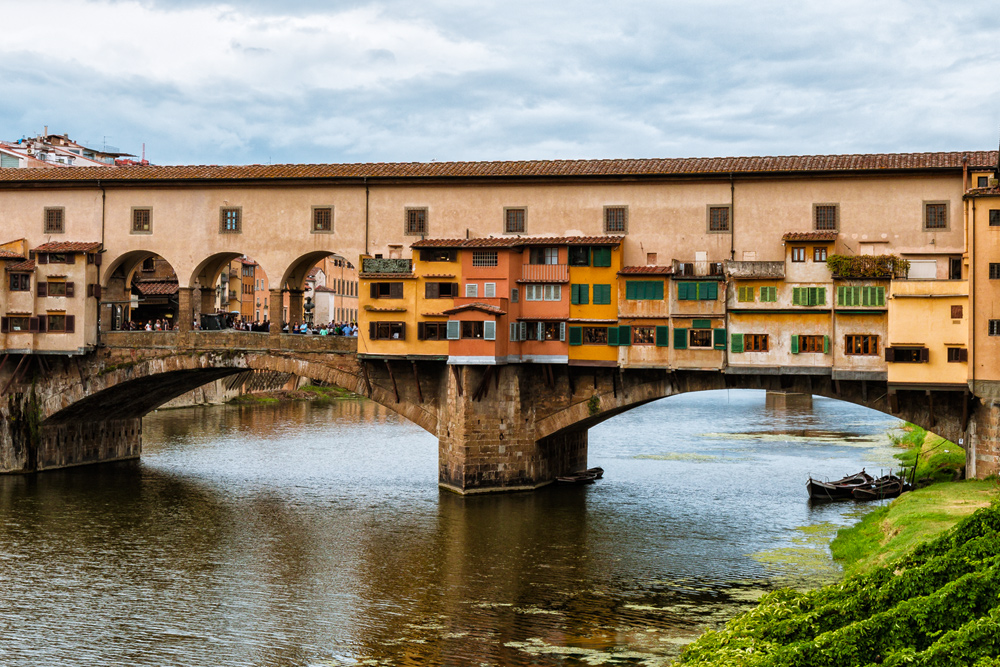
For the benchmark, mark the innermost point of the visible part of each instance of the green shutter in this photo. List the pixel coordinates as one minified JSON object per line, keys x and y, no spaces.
{"x":840,"y":295}
{"x":612,"y":335}
{"x":684,"y":291}
{"x":662,"y":336}
{"x":602,"y":294}
{"x":631,"y":287}
{"x":602,"y":256}
{"x":826,"y":345}
{"x":719,"y":339}
{"x":795,"y":344}
{"x":574,"y":294}
{"x":576,"y":335}
{"x":624,"y":335}
{"x":701,"y":324}
{"x":820,"y":296}
{"x":769,"y":293}
{"x":657,"y":290}
{"x":796,"y":296}
{"x":584,"y":294}
{"x":735,"y":342}
{"x":708,"y":291}
{"x":680,"y":339}
{"x":880,"y":296}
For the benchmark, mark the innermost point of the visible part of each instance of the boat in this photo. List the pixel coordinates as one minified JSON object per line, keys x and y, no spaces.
{"x":839,"y":489}
{"x":888,"y":486}
{"x":582,"y":476}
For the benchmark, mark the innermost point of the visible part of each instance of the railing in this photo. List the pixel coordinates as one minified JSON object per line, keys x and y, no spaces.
{"x":545,"y":273}
{"x":228,"y":339}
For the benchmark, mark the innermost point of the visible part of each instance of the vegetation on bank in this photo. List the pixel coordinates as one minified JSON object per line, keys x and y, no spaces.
{"x":937,"y":459}
{"x":308,"y":392}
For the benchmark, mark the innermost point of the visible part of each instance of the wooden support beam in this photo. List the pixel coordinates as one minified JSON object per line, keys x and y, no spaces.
{"x":893,"y":403}
{"x":621,"y":375}
{"x":614,"y":384}
{"x":595,"y":378}
{"x":864,"y":390}
{"x":416,"y":380}
{"x":395,"y":389}
{"x":496,"y":378}
{"x":569,"y":379}
{"x":13,"y":377}
{"x":965,"y":410}
{"x":3,"y":362}
{"x":930,"y":406}
{"x":836,"y":387}
{"x":483,"y":388}
{"x":457,"y":372}
{"x":368,"y":381}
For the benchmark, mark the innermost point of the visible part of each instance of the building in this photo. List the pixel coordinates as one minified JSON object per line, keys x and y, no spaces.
{"x":58,"y":150}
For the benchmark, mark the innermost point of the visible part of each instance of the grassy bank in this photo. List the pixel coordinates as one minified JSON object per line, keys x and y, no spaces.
{"x":307,"y":393}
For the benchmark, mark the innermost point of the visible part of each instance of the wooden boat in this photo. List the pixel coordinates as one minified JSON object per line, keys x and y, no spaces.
{"x":840,"y":489}
{"x":582,"y":476}
{"x":888,"y":486}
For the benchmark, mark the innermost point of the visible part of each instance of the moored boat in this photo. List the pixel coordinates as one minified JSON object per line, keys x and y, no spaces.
{"x":840,"y":489}
{"x":582,"y":476}
{"x":888,"y":486}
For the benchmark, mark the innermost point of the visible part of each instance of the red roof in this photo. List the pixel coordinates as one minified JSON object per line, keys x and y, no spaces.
{"x":7,"y":254}
{"x":809,"y":236}
{"x":157,"y":287}
{"x":484,"y":307}
{"x":69,"y":246}
{"x":646,"y":271}
{"x":516,"y":241}
{"x":324,"y":288}
{"x":720,"y":166}
{"x":22,"y":266}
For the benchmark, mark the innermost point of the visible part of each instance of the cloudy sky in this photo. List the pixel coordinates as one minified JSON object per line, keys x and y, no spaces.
{"x":281,"y":81}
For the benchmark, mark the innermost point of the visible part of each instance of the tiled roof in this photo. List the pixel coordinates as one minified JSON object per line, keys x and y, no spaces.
{"x":983,"y":192}
{"x":69,"y":246}
{"x":434,"y":314}
{"x":646,"y":271}
{"x":721,"y":166}
{"x":484,"y":307}
{"x":157,"y":287}
{"x":384,"y":276}
{"x":324,"y":288}
{"x":438,"y":275}
{"x":809,"y":236}
{"x":517,"y":241}
{"x":22,"y":266}
{"x":7,"y":254}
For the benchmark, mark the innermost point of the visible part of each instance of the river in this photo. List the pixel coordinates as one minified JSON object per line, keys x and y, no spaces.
{"x":314,"y":534}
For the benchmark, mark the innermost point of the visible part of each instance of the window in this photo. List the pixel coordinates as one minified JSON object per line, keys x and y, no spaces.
{"x":818,"y":344}
{"x":755,"y":343}
{"x":438,"y":255}
{"x":440,"y":290}
{"x":56,"y":288}
{"x":935,"y":215}
{"x":825,"y":217}
{"x":718,"y":219}
{"x":643,"y":335}
{"x":142,"y":222}
{"x":513,"y":220}
{"x":230,"y":221}
{"x":471,"y":290}
{"x":16,"y":324}
{"x":907,"y":355}
{"x":994,"y":329}
{"x":579,"y":294}
{"x":957,"y":354}
{"x":54,"y":221}
{"x":416,"y":222}
{"x":484,"y":257}
{"x":322,"y":219}
{"x":956,"y":312}
{"x":615,"y":219}
{"x":59,"y":323}
{"x":995,"y":217}
{"x":983,"y":182}
{"x":994,"y":271}
{"x":601,"y":255}
{"x":489,"y":290}
{"x":809,"y":296}
{"x":149,"y":264}
{"x":644,"y":290}
{"x":798,"y":254}
{"x":696,"y":291}
{"x":700,"y":338}
{"x":744,"y":293}
{"x":543,"y":292}
{"x":595,"y":335}
{"x":472,"y":330}
{"x":602,"y":295}
{"x":819,"y":253}
{"x":768,"y":293}
{"x":544,"y":256}
{"x":514,"y":294}
{"x":387,"y":330}
{"x":579,"y":255}
{"x":860,"y":295}
{"x":20,"y":282}
{"x":387,"y":290}
{"x":861,"y":344}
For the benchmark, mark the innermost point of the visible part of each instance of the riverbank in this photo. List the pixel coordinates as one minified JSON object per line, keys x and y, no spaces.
{"x":308,"y":392}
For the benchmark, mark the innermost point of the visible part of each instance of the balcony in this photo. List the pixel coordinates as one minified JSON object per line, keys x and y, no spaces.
{"x":544,"y":273}
{"x":382,"y":265}
{"x":756,"y":270}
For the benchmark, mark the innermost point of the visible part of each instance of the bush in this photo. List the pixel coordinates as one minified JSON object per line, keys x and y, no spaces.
{"x":868,"y":266}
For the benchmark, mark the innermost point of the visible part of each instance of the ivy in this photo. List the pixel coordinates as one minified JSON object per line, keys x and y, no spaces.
{"x":868,"y":266}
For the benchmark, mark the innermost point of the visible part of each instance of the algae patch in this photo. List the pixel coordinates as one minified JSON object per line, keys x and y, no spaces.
{"x":683,"y":456}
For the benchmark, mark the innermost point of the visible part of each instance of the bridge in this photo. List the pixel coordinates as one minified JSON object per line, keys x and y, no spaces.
{"x":499,"y":428}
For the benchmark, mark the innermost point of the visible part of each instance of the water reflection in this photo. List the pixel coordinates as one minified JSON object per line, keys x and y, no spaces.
{"x":306,"y":534}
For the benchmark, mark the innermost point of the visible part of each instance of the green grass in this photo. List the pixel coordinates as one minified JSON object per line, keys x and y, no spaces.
{"x":253,"y":399}
{"x":937,"y":459}
{"x":326,"y":392}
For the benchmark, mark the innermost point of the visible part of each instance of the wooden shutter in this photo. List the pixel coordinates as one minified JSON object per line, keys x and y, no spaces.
{"x":43,"y":258}
{"x":70,"y":323}
{"x":489,"y":330}
{"x":70,"y":258}
{"x":524,"y":331}
{"x":374,"y":290}
{"x":42,"y":288}
{"x":820,"y":296}
{"x":684,"y":291}
{"x":513,"y":332}
{"x":97,"y":292}
{"x":680,"y":339}
{"x":4,"y":324}
{"x":796,"y":296}
{"x":70,"y":289}
{"x":879,"y":296}
{"x":602,"y":256}
{"x":540,"y":331}
{"x":795,"y":344}
{"x":372,"y":329}
{"x":662,"y":336}
{"x":925,"y":354}
{"x":33,"y":324}
{"x":576,"y":335}
{"x":719,"y":339}
{"x":489,"y":290}
{"x":701,"y":324}
{"x":454,"y":329}
{"x":631,"y":287}
{"x":584,"y":294}
{"x":395,"y":290}
{"x":624,"y":335}
{"x":98,"y":258}
{"x":574,"y":294}
{"x":657,"y":287}
{"x":562,"y":332}
{"x":890,"y":354}
{"x":432,"y":291}
{"x":963,"y":354}
{"x":711,"y":291}
{"x":840,"y":295}
{"x":612,"y":335}
{"x":826,"y":345}
{"x":736,"y":342}
{"x":421,"y":331}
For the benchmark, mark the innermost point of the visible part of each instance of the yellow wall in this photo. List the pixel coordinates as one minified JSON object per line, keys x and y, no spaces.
{"x":389,"y":310}
{"x":920,"y":316}
{"x":984,"y":242}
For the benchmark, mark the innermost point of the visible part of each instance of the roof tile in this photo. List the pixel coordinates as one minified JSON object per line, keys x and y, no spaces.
{"x":646,"y":271}
{"x":809,"y":236}
{"x":484,"y":307}
{"x":69,"y":246}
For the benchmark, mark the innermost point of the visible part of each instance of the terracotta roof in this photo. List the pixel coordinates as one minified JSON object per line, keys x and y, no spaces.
{"x":809,"y":236}
{"x":721,"y":166}
{"x":646,"y":271}
{"x":484,"y":307}
{"x":22,"y":266}
{"x":516,"y":241}
{"x":7,"y":254}
{"x":69,"y":246}
{"x":438,"y":275}
{"x":383,"y":276}
{"x":157,"y":287}
{"x":324,"y":288}
{"x":434,"y":314}
{"x":983,"y":192}
{"x":387,"y":309}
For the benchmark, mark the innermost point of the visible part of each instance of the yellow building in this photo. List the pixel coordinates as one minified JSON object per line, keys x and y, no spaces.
{"x":388,"y":308}
{"x":593,"y":309}
{"x":644,"y":314}
{"x":983,"y":210}
{"x":928,"y":335}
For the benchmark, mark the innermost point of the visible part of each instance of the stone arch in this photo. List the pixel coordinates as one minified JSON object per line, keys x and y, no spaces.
{"x":120,"y":282}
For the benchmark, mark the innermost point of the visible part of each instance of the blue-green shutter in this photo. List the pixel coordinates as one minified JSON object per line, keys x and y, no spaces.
{"x":826,"y":345}
{"x":602,"y":256}
{"x":840,"y":295}
{"x":631,"y":287}
{"x":662,"y":336}
{"x":574,"y":294}
{"x":584,"y":294}
{"x":820,"y":296}
{"x":701,"y":324}
{"x":576,"y":335}
{"x":680,"y":339}
{"x":453,"y":329}
{"x":719,"y":339}
{"x":657,"y":290}
{"x":624,"y":335}
{"x":687,"y":291}
{"x":602,"y":294}
{"x":612,"y":335}
{"x":736,"y":342}
{"x":795,"y":344}
{"x":880,"y":296}
{"x":708,"y":291}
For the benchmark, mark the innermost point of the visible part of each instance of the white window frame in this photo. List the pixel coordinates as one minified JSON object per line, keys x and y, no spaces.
{"x":489,"y":290}
{"x":489,"y":330}
{"x":471,"y":290}
{"x":454,"y":330}
{"x":552,"y":293}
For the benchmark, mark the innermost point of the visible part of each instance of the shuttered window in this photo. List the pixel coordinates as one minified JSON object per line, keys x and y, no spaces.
{"x":602,"y":294}
{"x":454,"y":329}
{"x":576,"y":335}
{"x":768,"y":293}
{"x":736,"y":343}
{"x":489,"y":330}
{"x":809,"y":296}
{"x":745,"y":293}
{"x":861,"y":295}
{"x":719,"y":339}
{"x":612,"y":335}
{"x":579,"y":294}
{"x":644,"y":290}
{"x":601,"y":256}
{"x":680,"y":339}
{"x":624,"y":335}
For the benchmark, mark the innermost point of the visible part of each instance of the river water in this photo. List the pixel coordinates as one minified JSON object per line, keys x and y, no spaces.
{"x":314,"y":534}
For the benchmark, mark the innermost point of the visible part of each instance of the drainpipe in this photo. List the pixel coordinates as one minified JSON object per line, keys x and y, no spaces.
{"x":972,"y":341}
{"x":104,"y":195}
{"x":732,"y":217}
{"x":366,"y":214}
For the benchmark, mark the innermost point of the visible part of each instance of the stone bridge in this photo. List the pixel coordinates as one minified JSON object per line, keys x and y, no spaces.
{"x":499,"y":427}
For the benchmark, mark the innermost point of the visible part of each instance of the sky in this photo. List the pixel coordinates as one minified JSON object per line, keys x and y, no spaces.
{"x":326,"y":81}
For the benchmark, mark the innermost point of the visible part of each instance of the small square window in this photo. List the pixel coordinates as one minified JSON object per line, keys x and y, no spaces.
{"x":825,"y":217}
{"x":994,"y":329}
{"x":650,"y":258}
{"x":798,"y":254}
{"x":230,"y":220}
{"x":957,"y":355}
{"x":935,"y":215}
{"x":819,"y":253}
{"x":55,"y":222}
{"x":956,"y":312}
{"x":416,"y":222}
{"x":322,"y":219}
{"x":484,"y":258}
{"x":994,"y":271}
{"x":615,"y":219}
{"x":983,"y":182}
{"x":995,"y":217}
{"x":142,"y":220}
{"x":718,"y":219}
{"x":514,"y":220}
{"x":20,"y":282}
